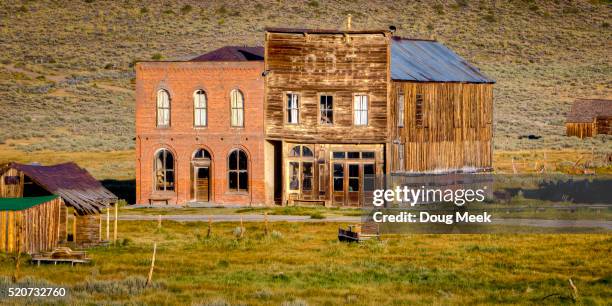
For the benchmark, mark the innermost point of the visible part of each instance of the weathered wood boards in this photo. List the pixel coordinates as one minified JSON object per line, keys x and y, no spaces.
{"x":340,"y":65}
{"x":455,"y":127}
{"x":33,"y":229}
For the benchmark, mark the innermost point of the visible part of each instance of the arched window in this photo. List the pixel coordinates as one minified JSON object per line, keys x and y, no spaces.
{"x":201,"y":154}
{"x":163,"y":108}
{"x":238,"y":175}
{"x":237,"y":104}
{"x":199,"y":108}
{"x":164,"y":170}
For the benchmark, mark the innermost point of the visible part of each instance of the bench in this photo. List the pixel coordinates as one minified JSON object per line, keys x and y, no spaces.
{"x":159,"y":198}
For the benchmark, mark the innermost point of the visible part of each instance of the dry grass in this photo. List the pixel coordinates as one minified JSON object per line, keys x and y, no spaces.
{"x":66,"y":67}
{"x":304,"y":263}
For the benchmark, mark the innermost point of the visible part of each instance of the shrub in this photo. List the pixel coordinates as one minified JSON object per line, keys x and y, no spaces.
{"x":317,"y":215}
{"x":156,"y":57}
{"x":313,"y":3}
{"x":439,"y":9}
{"x":186,"y":9}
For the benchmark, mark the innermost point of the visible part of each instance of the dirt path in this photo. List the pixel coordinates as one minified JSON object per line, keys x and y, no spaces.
{"x":345,"y":219}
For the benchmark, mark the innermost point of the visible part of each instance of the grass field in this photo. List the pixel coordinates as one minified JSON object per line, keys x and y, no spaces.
{"x":304,"y":264}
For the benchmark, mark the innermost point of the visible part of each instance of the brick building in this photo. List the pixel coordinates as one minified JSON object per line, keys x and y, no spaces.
{"x":199,"y":128}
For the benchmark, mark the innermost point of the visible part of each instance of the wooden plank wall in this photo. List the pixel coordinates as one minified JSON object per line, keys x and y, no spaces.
{"x":604,"y":125}
{"x":457,"y":126}
{"x":32,"y":230}
{"x":580,"y":129}
{"x":331,"y":64}
{"x":12,"y":190}
{"x":87,"y":230}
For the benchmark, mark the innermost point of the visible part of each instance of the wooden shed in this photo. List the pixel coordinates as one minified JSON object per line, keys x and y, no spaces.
{"x":589,"y":117}
{"x":84,"y":197}
{"x":31,"y":225}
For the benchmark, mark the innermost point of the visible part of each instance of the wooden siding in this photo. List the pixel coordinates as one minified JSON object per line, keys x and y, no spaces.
{"x":456,"y":128}
{"x":31,"y":230}
{"x":326,"y":64}
{"x":600,"y":125}
{"x":87,"y":230}
{"x":11,"y":190}
{"x":604,"y":125}
{"x":580,"y":129}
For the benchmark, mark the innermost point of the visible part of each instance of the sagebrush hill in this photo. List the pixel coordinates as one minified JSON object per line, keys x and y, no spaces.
{"x":66,"y":68}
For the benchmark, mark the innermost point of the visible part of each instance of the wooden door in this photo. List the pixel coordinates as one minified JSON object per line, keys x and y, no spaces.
{"x":202,"y":184}
{"x":353,"y":184}
{"x":338,"y":183}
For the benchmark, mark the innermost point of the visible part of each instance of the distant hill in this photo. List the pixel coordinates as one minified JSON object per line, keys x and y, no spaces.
{"x":66,"y":76}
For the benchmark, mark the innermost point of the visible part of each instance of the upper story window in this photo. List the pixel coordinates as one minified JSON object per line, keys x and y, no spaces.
{"x":163,"y":108}
{"x":360,"y":110}
{"x":293,"y":108}
{"x":237,"y":105}
{"x":418,"y":114}
{"x":164,"y":170}
{"x":238,"y":174}
{"x":326,"y":107}
{"x":199,"y":108}
{"x":400,"y":109}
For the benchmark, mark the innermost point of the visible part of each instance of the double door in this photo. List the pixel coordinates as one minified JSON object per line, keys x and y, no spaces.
{"x":352,"y":183}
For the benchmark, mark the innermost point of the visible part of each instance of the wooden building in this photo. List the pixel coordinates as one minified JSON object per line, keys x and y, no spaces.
{"x":83,"y":198}
{"x":589,"y":117}
{"x":326,"y":113}
{"x":441,"y":110}
{"x":30,"y":225}
{"x":199,"y":129}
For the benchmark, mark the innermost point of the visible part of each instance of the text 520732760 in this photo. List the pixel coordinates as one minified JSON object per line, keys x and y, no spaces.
{"x":37,"y":292}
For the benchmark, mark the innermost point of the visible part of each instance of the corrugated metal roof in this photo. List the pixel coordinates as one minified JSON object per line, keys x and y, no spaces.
{"x":430,"y":61}
{"x":586,"y":110}
{"x":232,"y":54}
{"x":75,"y":185}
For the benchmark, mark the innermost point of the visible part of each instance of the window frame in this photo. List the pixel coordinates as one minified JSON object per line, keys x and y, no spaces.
{"x":287,"y":109}
{"x":232,"y":108}
{"x":366,"y":110}
{"x":401,"y":109}
{"x":158,"y":108}
{"x":319,"y":117}
{"x":238,"y":171}
{"x":165,"y":171}
{"x":419,"y":111}
{"x":200,"y":108}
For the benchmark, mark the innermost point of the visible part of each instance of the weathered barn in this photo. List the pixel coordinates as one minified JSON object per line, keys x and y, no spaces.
{"x":441,"y":110}
{"x":589,"y":117}
{"x":31,"y":225}
{"x":84,"y":197}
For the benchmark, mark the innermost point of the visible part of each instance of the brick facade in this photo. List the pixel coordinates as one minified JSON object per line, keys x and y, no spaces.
{"x":181,"y":80}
